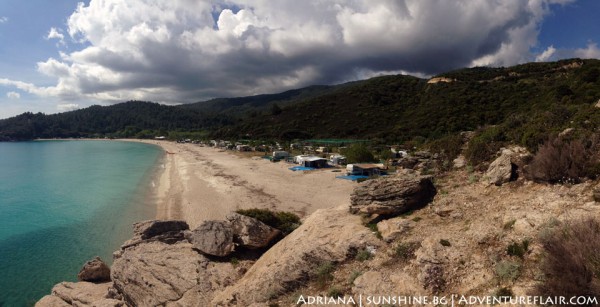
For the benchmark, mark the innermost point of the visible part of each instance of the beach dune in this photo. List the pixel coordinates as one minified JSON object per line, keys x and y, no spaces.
{"x":201,"y":183}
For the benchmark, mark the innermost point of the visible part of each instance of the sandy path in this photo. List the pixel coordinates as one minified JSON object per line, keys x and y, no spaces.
{"x":202,"y":183}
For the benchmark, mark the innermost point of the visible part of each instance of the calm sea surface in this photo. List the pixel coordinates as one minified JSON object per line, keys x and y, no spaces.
{"x":64,"y":202}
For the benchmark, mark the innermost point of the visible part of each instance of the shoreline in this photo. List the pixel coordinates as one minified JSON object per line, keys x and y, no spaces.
{"x":195,"y":184}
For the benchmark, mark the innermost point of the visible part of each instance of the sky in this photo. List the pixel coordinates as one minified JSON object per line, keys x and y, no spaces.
{"x":62,"y":55}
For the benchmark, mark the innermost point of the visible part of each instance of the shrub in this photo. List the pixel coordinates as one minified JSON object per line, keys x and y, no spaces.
{"x":518,"y":249}
{"x":406,"y":251}
{"x":284,"y":221}
{"x":449,"y":147}
{"x":434,"y":279}
{"x":504,"y":294}
{"x":484,"y":145}
{"x":354,"y":276}
{"x":445,"y":242}
{"x":324,"y":273}
{"x":561,"y":161}
{"x":335,"y":292}
{"x":508,"y":270}
{"x":572,"y":263}
{"x":363,"y":255}
{"x":357,"y":153}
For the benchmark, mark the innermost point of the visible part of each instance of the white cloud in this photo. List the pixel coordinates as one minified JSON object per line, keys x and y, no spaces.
{"x":590,"y":52}
{"x":174,"y":51}
{"x":55,"y":33}
{"x":67,"y":107}
{"x":3,"y":19}
{"x":13,"y":95}
{"x":546,"y":55}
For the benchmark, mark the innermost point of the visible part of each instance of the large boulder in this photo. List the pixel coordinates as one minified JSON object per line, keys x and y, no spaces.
{"x":94,"y":270}
{"x":158,"y":274}
{"x":214,"y":238}
{"x":508,"y":165}
{"x":167,"y":231}
{"x":250,"y":232}
{"x":76,"y":294}
{"x":326,"y":236}
{"x":392,"y":195}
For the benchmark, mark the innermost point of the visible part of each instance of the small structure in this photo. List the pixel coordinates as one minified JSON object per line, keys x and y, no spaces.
{"x":365,"y":169}
{"x":280,"y":155}
{"x":311,"y":161}
{"x":162,"y":137}
{"x":337,"y":159}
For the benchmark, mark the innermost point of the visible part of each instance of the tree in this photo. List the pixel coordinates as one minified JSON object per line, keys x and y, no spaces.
{"x":357,"y":153}
{"x":275,"y":109}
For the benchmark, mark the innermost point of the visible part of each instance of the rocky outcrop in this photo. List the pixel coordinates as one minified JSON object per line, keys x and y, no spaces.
{"x":250,"y":232}
{"x":213,"y":238}
{"x":94,"y":270}
{"x":77,"y":294}
{"x":507,"y":166}
{"x":157,"y":273}
{"x":169,"y":231}
{"x":328,"y":235}
{"x":392,"y":195}
{"x":392,"y":229}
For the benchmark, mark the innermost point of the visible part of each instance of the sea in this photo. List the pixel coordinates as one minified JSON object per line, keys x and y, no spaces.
{"x":63,"y":203}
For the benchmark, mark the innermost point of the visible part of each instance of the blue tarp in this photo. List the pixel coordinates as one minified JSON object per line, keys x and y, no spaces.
{"x":301,"y":168}
{"x":351,"y":177}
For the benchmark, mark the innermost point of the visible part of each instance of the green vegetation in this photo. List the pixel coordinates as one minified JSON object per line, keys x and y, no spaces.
{"x":518,"y":249}
{"x":324,"y":273}
{"x":524,"y":104}
{"x":363,"y":255}
{"x":284,"y":221}
{"x":508,"y":270}
{"x":406,"y":251}
{"x":357,"y":153}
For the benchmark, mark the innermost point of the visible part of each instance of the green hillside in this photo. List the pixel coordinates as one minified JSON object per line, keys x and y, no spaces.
{"x":522,"y":104}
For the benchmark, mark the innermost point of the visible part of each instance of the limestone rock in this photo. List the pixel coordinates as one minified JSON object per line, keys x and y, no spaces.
{"x":250,"y":232}
{"x":168,"y":231}
{"x":94,"y":270}
{"x":160,"y":274}
{"x":80,"y":293}
{"x":328,"y":235}
{"x":392,"y":229}
{"x":459,"y":162}
{"x":109,"y":302}
{"x":507,"y":166}
{"x":392,"y":195}
{"x":51,"y":301}
{"x":154,"y":273}
{"x":213,"y":238}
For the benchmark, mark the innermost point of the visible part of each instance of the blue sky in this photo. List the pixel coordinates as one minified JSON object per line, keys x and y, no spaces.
{"x":61,"y":55}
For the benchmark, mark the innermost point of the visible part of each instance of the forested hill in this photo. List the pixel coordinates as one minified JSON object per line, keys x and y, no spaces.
{"x":524,"y":103}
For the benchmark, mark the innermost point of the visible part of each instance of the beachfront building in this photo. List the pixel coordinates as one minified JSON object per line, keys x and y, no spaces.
{"x":280,"y":154}
{"x":243,"y":148}
{"x":311,"y":161}
{"x":337,"y":159}
{"x":365,"y":169}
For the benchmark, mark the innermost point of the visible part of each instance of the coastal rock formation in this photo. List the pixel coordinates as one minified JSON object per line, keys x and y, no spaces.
{"x":392,"y":195}
{"x":507,"y":166}
{"x":94,"y":270}
{"x":76,"y":294}
{"x":169,"y":231}
{"x":250,"y":232}
{"x":326,"y":236}
{"x":156,"y":273}
{"x":213,"y":238}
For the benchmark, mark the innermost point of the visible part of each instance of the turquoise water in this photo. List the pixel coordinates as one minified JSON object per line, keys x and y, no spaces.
{"x":64,"y":202}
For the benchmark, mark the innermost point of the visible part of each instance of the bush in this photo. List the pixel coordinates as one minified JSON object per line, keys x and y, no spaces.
{"x":572,"y":263}
{"x":518,"y":249}
{"x":562,"y":161}
{"x":484,"y":145}
{"x":406,"y":251}
{"x":358,"y":153}
{"x":508,"y":270}
{"x":449,"y":147}
{"x":284,"y":221}
{"x":324,"y":273}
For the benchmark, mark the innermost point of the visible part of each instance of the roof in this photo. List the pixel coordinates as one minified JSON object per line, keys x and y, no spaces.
{"x":368,"y":165}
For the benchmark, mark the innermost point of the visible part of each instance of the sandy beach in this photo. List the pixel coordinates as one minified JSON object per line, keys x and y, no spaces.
{"x":203,"y":183}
